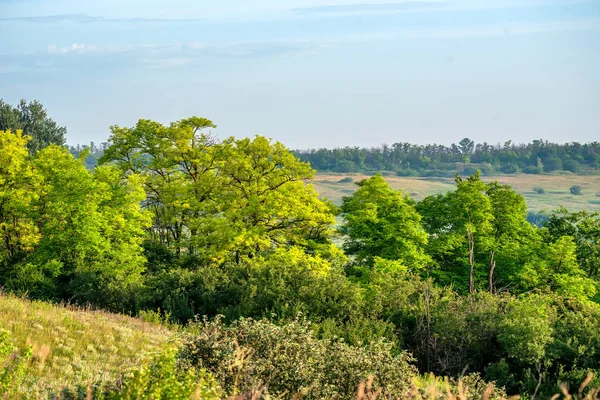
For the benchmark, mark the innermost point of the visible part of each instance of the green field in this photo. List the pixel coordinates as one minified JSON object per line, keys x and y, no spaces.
{"x":556,"y":188}
{"x":74,"y":347}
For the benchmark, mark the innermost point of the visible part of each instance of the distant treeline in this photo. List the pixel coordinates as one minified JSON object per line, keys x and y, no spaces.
{"x":94,"y":152}
{"x":466,"y":157}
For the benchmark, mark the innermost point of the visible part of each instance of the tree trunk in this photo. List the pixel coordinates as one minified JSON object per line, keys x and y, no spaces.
{"x":427,"y":299}
{"x":538,"y":367}
{"x":492,"y":268}
{"x":471,"y":260}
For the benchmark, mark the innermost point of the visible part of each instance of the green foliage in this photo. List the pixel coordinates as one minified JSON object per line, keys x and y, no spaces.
{"x":584,"y":228}
{"x":32,"y":119}
{"x":12,"y":365}
{"x":459,"y":224}
{"x":539,"y":190}
{"x":289,"y":359}
{"x":437,"y":160}
{"x":381,"y":222}
{"x":526,"y":329}
{"x":214,"y":202}
{"x":67,"y":232}
{"x":287,"y":282}
{"x":163,"y":380}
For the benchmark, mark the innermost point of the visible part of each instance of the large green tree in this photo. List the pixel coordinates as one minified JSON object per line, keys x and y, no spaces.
{"x":68,"y":232}
{"x":32,"y":118}
{"x":19,"y":187}
{"x":460,"y":229}
{"x":212,"y":200}
{"x":584,"y":228}
{"x":380,"y":222}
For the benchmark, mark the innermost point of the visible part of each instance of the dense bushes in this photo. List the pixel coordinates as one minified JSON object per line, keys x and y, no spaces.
{"x":290,"y":359}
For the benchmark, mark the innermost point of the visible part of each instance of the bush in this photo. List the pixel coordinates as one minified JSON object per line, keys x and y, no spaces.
{"x":510,"y":168}
{"x":163,"y":380}
{"x":282,"y":284}
{"x":289,"y":359}
{"x":572,"y":166}
{"x":407,"y":172}
{"x":530,"y":169}
{"x":12,"y":365}
{"x":347,"y":179}
{"x":575,"y":190}
{"x":539,"y":190}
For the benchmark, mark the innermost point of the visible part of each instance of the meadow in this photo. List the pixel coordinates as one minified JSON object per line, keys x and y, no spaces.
{"x":556,"y":188}
{"x":73,"y":347}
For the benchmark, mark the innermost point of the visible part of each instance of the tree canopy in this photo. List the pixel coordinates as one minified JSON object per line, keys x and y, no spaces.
{"x":33,"y":120}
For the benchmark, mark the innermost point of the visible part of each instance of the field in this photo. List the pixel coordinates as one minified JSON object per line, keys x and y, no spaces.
{"x":74,"y":347}
{"x":556,"y":188}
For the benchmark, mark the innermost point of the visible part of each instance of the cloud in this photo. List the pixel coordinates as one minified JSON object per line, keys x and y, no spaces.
{"x":177,"y":55}
{"x":369,"y":8}
{"x":90,"y":48}
{"x":85,"y":18}
{"x":74,"y":48}
{"x":249,"y":49}
{"x":56,"y":18}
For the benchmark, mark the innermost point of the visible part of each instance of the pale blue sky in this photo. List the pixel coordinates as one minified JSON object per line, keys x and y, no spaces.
{"x":312,"y":73}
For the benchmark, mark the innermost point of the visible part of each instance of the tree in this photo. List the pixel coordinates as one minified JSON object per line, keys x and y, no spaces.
{"x":18,"y":191}
{"x":584,"y":228}
{"x":33,"y":120}
{"x":459,"y":224}
{"x":69,"y":233}
{"x":526,"y":331}
{"x":511,"y":233}
{"x":382,"y":222}
{"x":265,"y":201}
{"x":212,"y":201}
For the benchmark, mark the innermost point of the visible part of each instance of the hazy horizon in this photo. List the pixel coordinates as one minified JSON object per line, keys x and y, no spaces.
{"x":312,"y":73}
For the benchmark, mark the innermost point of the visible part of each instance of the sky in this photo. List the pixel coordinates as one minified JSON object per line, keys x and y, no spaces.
{"x":311,"y":73}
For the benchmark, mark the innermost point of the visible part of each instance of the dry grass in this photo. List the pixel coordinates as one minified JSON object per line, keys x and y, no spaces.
{"x":74,"y":347}
{"x":556,"y":188}
{"x":434,"y":388}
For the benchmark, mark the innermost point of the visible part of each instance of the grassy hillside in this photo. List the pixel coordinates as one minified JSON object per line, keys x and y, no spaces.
{"x":74,"y":347}
{"x":556,"y":188}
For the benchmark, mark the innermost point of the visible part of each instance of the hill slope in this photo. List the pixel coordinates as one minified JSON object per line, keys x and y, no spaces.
{"x":73,"y":347}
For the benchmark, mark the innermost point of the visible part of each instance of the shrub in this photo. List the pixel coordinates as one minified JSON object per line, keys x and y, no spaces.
{"x":289,"y":359}
{"x":539,"y":190}
{"x":407,"y":172}
{"x":347,"y":179}
{"x":12,"y":365}
{"x":575,"y":190}
{"x":163,"y":380}
{"x":573,"y":166}
{"x":530,"y":169}
{"x":510,"y":168}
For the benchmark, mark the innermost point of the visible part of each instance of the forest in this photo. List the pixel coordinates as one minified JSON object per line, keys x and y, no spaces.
{"x":466,"y":157}
{"x":277,"y":292}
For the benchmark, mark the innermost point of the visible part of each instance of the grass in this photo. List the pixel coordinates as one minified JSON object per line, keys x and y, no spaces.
{"x":73,"y":347}
{"x":556,"y":188}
